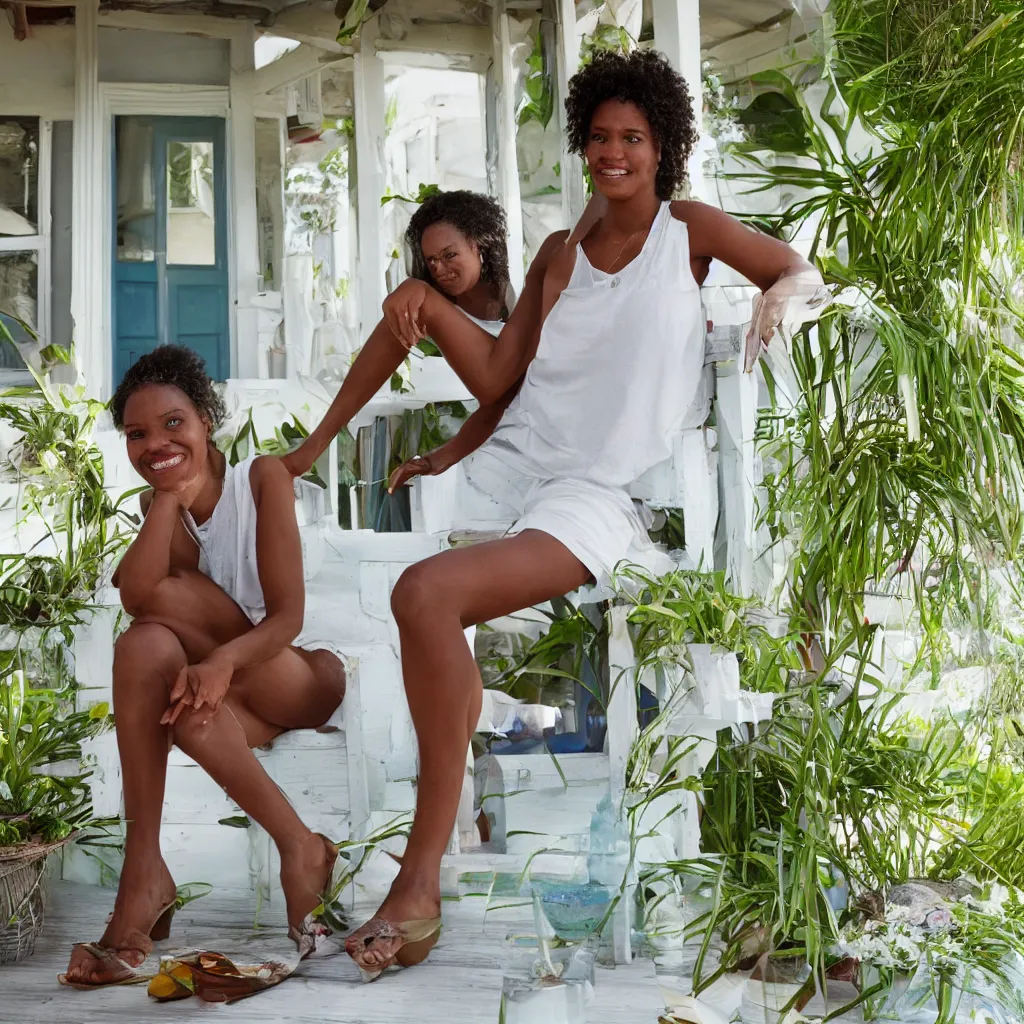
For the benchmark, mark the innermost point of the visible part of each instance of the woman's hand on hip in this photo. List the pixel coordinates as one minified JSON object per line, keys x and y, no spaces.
{"x":404,"y":310}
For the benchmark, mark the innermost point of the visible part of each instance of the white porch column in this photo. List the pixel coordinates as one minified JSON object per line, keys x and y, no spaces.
{"x":736,"y":420}
{"x":623,"y":730}
{"x":244,"y":246}
{"x":368,"y":86}
{"x":508,"y":166}
{"x":89,"y":208}
{"x":568,"y":61}
{"x":677,"y":35}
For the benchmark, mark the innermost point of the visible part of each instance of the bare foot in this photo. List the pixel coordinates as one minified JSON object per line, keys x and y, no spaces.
{"x":141,"y":898}
{"x":403,"y":930}
{"x":306,"y":870}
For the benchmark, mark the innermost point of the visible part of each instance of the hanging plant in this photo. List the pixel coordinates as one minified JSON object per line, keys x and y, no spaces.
{"x":903,"y":450}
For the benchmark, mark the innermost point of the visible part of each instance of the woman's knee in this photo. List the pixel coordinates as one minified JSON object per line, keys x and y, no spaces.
{"x":194,"y":730}
{"x":145,"y":649}
{"x":419,"y":593}
{"x":330,"y":671}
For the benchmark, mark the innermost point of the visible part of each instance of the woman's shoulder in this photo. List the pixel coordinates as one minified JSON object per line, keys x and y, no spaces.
{"x":700,"y":218}
{"x":268,"y":469}
{"x":553,"y":244}
{"x":695,"y":213}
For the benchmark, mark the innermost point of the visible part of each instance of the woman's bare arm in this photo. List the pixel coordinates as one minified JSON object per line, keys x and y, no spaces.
{"x":487,"y":366}
{"x":452,"y":331}
{"x":476,"y":429}
{"x":758,"y":257}
{"x":488,"y":369}
{"x":472,"y":434}
{"x":792,"y":290}
{"x":279,"y":561}
{"x":160,"y":546}
{"x":378,"y":359}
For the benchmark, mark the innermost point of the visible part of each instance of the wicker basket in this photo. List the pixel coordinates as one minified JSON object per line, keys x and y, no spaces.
{"x":22,"y":897}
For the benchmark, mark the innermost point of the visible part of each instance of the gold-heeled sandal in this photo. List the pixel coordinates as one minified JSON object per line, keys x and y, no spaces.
{"x":317,"y":924}
{"x":120,"y":972}
{"x":418,"y":938}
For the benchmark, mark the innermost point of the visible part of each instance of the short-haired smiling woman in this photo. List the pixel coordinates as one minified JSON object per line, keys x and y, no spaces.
{"x":598,"y":362}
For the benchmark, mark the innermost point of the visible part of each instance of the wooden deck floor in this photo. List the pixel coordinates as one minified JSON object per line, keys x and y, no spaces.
{"x":460,"y":984}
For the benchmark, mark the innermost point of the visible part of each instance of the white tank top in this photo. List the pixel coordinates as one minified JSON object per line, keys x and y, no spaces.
{"x":490,"y":326}
{"x":617,"y":367}
{"x":227,"y":542}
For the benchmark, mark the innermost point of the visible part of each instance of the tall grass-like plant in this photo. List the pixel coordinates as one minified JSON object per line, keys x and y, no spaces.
{"x":894,"y":453}
{"x":903,"y":449}
{"x":687,"y":607}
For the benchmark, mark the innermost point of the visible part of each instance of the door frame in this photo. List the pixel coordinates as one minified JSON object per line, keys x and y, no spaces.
{"x":167,"y":128}
{"x":117,"y":99}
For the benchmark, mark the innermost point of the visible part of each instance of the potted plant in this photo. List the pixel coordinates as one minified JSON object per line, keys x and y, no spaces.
{"x":45,"y":592}
{"x":44,"y":794}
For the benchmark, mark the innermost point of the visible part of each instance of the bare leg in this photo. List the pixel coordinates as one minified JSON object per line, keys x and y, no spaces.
{"x":292,"y":690}
{"x":433,"y":602}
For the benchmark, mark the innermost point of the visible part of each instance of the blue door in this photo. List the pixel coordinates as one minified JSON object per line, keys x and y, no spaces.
{"x":170,"y":252}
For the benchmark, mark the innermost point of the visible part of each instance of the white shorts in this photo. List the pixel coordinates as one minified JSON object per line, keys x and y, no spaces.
{"x":599,"y":525}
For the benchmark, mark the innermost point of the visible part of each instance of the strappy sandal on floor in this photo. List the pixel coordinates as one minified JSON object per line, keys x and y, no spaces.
{"x":418,"y":938}
{"x":114,"y":969}
{"x":213,"y":977}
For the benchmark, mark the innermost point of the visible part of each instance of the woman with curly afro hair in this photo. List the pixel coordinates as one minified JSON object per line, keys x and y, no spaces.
{"x":459,"y":248}
{"x":595,"y":370}
{"x":459,"y":245}
{"x":213,"y":660}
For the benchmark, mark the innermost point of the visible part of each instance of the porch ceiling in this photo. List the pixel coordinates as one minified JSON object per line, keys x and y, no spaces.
{"x":734,"y":33}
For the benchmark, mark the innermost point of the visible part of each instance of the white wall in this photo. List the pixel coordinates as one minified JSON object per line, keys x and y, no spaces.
{"x":37,"y":76}
{"x":135,"y":55}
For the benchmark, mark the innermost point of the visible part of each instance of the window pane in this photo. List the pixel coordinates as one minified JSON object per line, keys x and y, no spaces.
{"x":19,"y":170}
{"x":19,"y":282}
{"x":59,"y":331}
{"x":136,"y":203}
{"x":191,"y":234}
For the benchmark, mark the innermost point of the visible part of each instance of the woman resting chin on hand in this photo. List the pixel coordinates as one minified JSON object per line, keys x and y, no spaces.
{"x":213,"y":661}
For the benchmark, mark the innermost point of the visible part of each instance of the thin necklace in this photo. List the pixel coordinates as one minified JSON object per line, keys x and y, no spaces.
{"x":622,"y":249}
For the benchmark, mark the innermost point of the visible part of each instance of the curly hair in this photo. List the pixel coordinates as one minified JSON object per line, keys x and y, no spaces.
{"x":173,"y":366}
{"x":644,"y":78}
{"x":480,"y":218}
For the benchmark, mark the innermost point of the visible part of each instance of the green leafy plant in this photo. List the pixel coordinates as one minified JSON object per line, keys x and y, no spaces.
{"x":44,"y":792}
{"x":423,"y":193}
{"x":687,"y":607}
{"x":285,"y":438}
{"x":900,"y":454}
{"x":893,"y":465}
{"x":612,"y":38}
{"x":538,"y":101}
{"x":44,"y":593}
{"x":423,"y":430}
{"x":572,"y":648}
{"x":358,"y":11}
